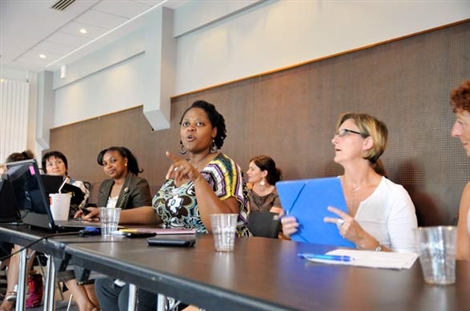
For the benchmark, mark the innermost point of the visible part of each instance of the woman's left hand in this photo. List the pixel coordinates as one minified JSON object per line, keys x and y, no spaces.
{"x":181,"y":169}
{"x":347,"y":225}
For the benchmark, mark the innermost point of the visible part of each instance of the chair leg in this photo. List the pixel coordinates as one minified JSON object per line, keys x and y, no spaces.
{"x":60,"y":290}
{"x":70,"y":302}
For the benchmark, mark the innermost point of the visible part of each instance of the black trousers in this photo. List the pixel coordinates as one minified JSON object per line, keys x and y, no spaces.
{"x":115,"y":298}
{"x":5,"y":249}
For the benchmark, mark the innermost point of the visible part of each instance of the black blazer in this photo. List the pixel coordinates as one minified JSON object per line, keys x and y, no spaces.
{"x":134,"y":193}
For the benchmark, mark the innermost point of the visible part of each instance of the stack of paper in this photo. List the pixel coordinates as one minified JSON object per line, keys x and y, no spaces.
{"x":371,"y":259}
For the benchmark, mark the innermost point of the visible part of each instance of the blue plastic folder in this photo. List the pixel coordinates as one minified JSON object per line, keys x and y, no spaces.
{"x":308,"y":200}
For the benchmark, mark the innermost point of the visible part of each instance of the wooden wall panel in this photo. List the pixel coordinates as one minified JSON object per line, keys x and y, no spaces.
{"x":291,"y":115}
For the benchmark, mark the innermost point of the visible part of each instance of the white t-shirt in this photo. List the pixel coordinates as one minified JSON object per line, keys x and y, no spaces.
{"x":388,"y":214}
{"x":112,"y":202}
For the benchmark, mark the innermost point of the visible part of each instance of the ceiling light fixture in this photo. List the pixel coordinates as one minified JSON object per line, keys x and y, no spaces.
{"x":83,"y":31}
{"x":105,"y":34}
{"x":42,"y":56}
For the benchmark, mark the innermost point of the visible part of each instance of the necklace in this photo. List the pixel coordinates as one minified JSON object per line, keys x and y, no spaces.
{"x":352,"y":201}
{"x":200,"y":161}
{"x":263,"y":191}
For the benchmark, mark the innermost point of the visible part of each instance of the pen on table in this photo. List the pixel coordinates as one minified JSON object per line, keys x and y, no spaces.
{"x":326,"y":257}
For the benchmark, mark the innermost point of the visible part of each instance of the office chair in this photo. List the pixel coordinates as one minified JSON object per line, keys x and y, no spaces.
{"x":264,"y":224}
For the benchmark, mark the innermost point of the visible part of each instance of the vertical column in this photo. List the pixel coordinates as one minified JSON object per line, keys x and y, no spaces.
{"x":159,"y":67}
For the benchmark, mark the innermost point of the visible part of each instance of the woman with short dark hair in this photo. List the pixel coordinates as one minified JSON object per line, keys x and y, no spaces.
{"x":460,"y":101}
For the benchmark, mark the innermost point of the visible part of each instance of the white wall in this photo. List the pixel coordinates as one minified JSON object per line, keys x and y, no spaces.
{"x":283,"y":33}
{"x":244,"y":40}
{"x":112,"y":89}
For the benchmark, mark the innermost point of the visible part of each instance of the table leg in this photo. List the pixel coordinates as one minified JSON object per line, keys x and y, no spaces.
{"x":161,"y":302}
{"x":49,"y":301}
{"x":132,"y":306}
{"x":21,"y":288}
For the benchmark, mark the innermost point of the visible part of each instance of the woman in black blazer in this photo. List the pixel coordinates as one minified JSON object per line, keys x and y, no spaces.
{"x":124,"y":189}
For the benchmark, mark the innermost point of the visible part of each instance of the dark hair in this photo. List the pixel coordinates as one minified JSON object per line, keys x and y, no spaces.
{"x":217,"y":120}
{"x":56,"y":154}
{"x":132,"y":164}
{"x":266,"y":163}
{"x":20,"y":156}
{"x":460,"y":97}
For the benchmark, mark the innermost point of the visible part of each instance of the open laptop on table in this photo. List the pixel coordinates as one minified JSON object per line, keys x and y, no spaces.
{"x":308,"y":200}
{"x":32,"y":201}
{"x":53,"y":183}
{"x":9,"y":212}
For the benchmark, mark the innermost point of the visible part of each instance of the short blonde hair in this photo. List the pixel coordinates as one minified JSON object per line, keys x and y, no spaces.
{"x":369,"y":126}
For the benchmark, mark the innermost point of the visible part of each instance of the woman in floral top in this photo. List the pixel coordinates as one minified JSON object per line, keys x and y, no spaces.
{"x":205,"y":183}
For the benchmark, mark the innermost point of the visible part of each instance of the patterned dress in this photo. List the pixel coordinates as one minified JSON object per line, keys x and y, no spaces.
{"x":177,"y":206}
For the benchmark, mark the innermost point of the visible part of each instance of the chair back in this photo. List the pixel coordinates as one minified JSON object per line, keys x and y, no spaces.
{"x":264,"y":224}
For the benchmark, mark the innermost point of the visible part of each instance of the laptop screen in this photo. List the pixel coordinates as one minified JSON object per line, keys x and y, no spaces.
{"x":8,"y":207}
{"x":52,"y":184}
{"x":25,"y":179}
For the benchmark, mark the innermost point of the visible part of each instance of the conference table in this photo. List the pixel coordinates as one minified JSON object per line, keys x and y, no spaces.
{"x":47,"y":242}
{"x":267,"y":274}
{"x":261,"y":274}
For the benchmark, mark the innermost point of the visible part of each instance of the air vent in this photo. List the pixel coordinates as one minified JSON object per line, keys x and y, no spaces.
{"x":62,"y":4}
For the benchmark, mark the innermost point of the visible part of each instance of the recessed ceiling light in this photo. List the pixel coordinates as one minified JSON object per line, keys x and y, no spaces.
{"x":83,"y":31}
{"x":42,"y":56}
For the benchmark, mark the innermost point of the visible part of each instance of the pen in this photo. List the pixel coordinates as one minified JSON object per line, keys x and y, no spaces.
{"x":326,"y":257}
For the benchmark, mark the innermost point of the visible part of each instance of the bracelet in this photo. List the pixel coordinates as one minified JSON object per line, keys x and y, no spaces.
{"x":379,"y":247}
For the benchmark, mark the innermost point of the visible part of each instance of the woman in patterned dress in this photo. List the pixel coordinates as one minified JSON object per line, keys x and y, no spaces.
{"x":205,"y":182}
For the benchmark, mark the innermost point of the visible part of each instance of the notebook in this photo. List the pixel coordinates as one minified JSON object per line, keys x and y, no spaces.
{"x":32,"y":201}
{"x":308,"y":200}
{"x":159,"y":231}
{"x":9,"y":212}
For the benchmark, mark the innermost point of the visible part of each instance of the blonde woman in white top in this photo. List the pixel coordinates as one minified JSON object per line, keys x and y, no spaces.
{"x":381,"y":215}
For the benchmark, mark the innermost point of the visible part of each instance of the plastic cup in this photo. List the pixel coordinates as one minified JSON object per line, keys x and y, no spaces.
{"x":224,"y":227}
{"x":437,"y":249}
{"x":109,"y":218}
{"x":60,"y":206}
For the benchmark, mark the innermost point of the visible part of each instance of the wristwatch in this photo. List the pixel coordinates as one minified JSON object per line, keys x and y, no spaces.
{"x":379,"y":247}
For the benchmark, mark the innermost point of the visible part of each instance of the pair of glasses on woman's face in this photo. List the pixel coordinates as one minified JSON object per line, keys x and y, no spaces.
{"x":344,"y":132}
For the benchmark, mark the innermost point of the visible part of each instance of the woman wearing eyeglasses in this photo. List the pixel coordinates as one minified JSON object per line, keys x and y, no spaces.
{"x":381,"y":215}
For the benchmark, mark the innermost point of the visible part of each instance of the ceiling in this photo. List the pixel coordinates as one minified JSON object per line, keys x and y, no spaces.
{"x":32,"y":28}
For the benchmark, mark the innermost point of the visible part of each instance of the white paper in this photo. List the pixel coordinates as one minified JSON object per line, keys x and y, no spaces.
{"x":372,"y":259}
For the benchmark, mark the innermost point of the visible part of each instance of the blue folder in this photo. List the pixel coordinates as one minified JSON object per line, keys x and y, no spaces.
{"x":308,"y":200}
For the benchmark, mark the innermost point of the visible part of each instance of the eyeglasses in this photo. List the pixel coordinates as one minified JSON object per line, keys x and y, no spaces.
{"x":344,"y":132}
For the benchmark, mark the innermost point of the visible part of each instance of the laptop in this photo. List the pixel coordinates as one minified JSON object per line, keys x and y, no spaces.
{"x":33,"y":204}
{"x":308,"y":200}
{"x":9,"y":212}
{"x":53,"y":183}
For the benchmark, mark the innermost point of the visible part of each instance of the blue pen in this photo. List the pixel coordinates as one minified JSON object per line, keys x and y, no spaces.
{"x":326,"y":257}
